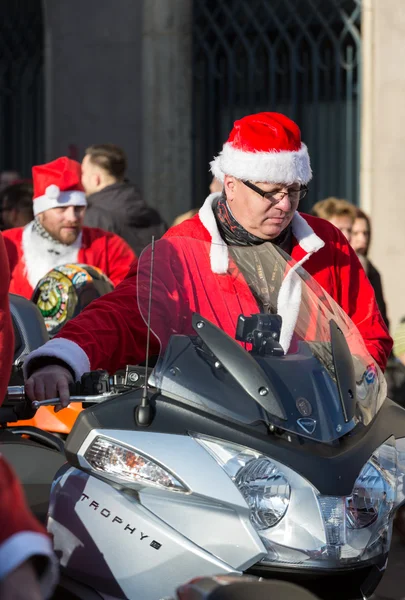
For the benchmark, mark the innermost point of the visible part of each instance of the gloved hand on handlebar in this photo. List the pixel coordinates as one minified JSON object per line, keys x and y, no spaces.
{"x":51,"y":381}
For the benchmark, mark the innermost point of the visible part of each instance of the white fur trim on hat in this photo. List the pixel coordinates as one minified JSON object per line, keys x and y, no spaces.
{"x":303,"y":233}
{"x":273,"y":167}
{"x":65,"y":350}
{"x":54,"y":198}
{"x":52,"y":192}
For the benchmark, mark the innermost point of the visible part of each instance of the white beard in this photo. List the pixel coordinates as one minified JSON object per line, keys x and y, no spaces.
{"x":41,"y":255}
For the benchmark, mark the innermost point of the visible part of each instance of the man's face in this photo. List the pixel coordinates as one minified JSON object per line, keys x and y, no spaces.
{"x":63,"y":224}
{"x":262,"y":217}
{"x":345,"y":224}
{"x":90,"y":176}
{"x":360,"y":236}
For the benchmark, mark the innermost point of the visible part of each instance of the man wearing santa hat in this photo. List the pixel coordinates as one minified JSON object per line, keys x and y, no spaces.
{"x":56,"y":236}
{"x":265,"y":169}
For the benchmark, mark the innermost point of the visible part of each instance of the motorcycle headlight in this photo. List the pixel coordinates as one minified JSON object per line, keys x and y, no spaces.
{"x":299,"y":526}
{"x":263,"y":485}
{"x":375,"y":488}
{"x":266,"y":491}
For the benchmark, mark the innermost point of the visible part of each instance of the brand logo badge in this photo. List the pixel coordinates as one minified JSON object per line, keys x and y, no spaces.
{"x":304,"y":407}
{"x":308,"y":425}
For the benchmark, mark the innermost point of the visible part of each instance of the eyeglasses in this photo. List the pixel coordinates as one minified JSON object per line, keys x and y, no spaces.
{"x":277,"y":195}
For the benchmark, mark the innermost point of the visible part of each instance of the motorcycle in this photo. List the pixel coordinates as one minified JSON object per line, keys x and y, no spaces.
{"x":265,"y":447}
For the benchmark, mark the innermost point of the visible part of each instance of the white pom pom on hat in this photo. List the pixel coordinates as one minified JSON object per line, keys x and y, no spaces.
{"x":57,"y":184}
{"x":52,"y":192}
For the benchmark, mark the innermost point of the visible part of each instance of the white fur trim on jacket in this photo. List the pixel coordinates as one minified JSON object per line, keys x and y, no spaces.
{"x":288,"y":307}
{"x":40,"y":255}
{"x":65,"y":350}
{"x":304,"y":234}
{"x":24,"y":545}
{"x":274,"y":167}
{"x":62,"y":199}
{"x":218,"y":250}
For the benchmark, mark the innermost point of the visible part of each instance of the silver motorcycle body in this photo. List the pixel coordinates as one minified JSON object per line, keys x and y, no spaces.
{"x":276,"y":454}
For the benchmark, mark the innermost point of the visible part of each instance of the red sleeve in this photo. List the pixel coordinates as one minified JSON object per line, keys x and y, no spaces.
{"x":120,"y":257}
{"x":111,"y":330}
{"x":356,"y":297}
{"x":6,"y":327}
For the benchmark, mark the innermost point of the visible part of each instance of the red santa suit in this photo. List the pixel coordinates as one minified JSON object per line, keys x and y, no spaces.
{"x":32,"y":256}
{"x":266,"y":147}
{"x":32,"y":252}
{"x":206,"y":285}
{"x":21,"y":536}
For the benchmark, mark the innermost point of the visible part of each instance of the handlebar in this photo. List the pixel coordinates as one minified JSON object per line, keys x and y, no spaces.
{"x":17,"y":392}
{"x":55,"y":401}
{"x":93,"y":388}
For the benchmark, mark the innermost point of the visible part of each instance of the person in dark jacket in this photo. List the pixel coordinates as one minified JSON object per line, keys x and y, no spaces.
{"x":360,"y":242}
{"x":114,"y":204}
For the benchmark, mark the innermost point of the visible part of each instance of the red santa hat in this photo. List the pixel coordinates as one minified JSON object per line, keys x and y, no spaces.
{"x":264,"y":147}
{"x":58,"y":184}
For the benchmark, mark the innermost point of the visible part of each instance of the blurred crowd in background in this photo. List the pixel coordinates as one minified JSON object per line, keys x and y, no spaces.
{"x":114,"y":204}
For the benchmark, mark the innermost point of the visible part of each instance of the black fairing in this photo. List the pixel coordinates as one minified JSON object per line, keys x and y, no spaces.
{"x":240,"y":365}
{"x":344,"y":371}
{"x":332,"y":469}
{"x":219,"y":376}
{"x":29,"y":327}
{"x":35,"y":464}
{"x":29,"y":333}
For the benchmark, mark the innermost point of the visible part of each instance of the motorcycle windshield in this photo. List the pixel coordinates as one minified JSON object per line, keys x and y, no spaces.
{"x":300,"y":367}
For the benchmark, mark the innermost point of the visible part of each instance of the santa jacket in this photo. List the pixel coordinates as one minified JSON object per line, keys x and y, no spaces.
{"x":31,"y":257}
{"x":21,"y":536}
{"x":110,"y":333}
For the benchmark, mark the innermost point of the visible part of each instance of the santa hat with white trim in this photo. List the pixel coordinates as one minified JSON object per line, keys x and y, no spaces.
{"x":58,"y":184}
{"x":264,"y":147}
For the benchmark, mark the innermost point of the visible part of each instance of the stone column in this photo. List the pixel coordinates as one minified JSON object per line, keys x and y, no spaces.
{"x":93,"y":77}
{"x":383,"y":144}
{"x":167,"y":98}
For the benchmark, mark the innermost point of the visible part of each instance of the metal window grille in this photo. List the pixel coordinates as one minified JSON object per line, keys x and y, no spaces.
{"x":300,"y":57}
{"x":21,"y":85}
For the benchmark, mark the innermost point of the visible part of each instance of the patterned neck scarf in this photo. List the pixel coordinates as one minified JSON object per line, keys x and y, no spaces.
{"x":263,"y":279}
{"x":234,"y":234}
{"x":53,"y":246}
